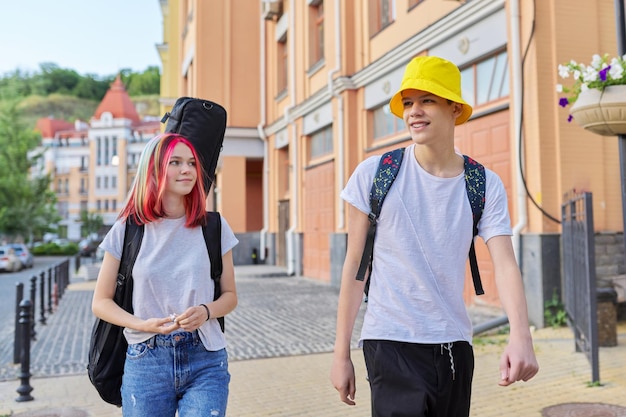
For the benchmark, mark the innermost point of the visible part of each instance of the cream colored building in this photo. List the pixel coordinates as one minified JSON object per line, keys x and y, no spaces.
{"x":306,"y":84}
{"x":93,"y":164}
{"x":211,"y":50}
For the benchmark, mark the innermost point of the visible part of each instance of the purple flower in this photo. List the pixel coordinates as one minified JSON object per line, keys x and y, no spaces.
{"x":563,"y":102}
{"x":602,"y":73}
{"x":570,"y":118}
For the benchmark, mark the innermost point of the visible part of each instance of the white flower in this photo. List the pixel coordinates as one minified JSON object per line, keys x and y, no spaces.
{"x":590,"y":75}
{"x":596,"y":61}
{"x":563,"y":71}
{"x":559,"y":88}
{"x":584,"y":87}
{"x":617,"y":71}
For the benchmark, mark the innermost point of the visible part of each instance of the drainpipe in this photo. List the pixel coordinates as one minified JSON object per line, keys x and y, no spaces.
{"x":516,"y":68}
{"x":340,"y":139}
{"x":293,"y":254}
{"x":263,"y":136}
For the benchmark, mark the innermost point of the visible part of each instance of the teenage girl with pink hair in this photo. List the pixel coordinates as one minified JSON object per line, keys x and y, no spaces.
{"x":176,"y":358}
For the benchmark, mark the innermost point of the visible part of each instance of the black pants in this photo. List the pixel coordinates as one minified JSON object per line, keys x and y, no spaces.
{"x":419,"y":380}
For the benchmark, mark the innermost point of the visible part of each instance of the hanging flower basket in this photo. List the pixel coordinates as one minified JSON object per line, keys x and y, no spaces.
{"x":602,"y":111}
{"x":597,"y":94}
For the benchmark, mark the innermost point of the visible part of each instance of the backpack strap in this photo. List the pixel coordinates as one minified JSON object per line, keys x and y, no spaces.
{"x":133,"y":235}
{"x":475,"y":186}
{"x":387,"y":171}
{"x":213,"y":239}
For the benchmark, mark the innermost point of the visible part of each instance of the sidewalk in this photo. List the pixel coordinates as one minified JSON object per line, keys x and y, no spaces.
{"x":280,"y":339}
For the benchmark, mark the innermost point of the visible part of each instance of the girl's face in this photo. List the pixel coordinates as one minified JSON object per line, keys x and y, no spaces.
{"x":181,"y":171}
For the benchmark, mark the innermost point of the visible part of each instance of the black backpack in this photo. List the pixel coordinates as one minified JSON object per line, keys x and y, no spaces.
{"x":388,"y":168}
{"x":203,"y":123}
{"x":107,"y":347}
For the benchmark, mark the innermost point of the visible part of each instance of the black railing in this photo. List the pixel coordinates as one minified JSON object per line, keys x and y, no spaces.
{"x":25,"y":317}
{"x":579,"y":275}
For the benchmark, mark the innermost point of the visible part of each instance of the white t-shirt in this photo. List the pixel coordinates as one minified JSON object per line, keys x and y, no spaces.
{"x":172,"y":273}
{"x":420,"y":251}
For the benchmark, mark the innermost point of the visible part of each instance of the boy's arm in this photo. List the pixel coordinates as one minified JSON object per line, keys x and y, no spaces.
{"x":350,"y":299}
{"x":518,"y":362}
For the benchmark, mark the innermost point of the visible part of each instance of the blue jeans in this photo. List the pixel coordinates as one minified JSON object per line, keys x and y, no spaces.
{"x":174,"y":372}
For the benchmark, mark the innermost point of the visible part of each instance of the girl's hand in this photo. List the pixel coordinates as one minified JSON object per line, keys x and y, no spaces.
{"x":161,"y":326}
{"x":192,"y":318}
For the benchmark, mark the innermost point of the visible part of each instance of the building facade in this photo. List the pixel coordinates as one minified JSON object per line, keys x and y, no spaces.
{"x":211,"y":50}
{"x":93,"y":164}
{"x":306,"y":84}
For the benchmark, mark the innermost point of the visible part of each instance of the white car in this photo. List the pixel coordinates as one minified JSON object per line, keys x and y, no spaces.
{"x":22,"y":252}
{"x":9,"y":261}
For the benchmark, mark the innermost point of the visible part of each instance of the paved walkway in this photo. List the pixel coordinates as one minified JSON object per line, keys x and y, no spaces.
{"x":280,"y":339}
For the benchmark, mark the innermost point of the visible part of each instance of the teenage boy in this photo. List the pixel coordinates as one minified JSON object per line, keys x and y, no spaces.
{"x":416,"y":334}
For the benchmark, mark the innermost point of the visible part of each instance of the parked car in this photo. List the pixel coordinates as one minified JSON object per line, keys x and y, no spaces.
{"x":87,"y":247}
{"x":9,"y":261}
{"x":22,"y":251}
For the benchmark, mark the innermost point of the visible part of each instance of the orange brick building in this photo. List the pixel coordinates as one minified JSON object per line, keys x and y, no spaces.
{"x":306,"y":85}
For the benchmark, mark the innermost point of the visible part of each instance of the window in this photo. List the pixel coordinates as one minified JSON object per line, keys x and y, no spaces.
{"x":99,"y":151}
{"x":114,"y":182}
{"x":381,"y":15}
{"x":321,"y":143}
{"x":114,"y":145}
{"x":106,"y":151}
{"x":282,"y":65}
{"x":98,"y":183}
{"x":384,"y":123}
{"x":487,"y":80}
{"x":316,"y":17}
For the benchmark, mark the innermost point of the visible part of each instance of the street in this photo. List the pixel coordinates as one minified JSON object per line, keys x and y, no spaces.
{"x":276,"y":316}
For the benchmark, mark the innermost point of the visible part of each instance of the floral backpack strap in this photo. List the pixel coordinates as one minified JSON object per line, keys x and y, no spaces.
{"x":387,"y":171}
{"x":475,"y":186}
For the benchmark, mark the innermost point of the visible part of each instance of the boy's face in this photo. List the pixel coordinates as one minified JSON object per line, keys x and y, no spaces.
{"x":426,"y":114}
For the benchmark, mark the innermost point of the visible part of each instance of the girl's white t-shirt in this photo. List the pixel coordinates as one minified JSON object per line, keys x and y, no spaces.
{"x":172,"y":273}
{"x":421,"y":248}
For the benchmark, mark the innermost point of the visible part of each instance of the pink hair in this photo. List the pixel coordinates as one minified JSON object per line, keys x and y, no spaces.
{"x":145,"y":199}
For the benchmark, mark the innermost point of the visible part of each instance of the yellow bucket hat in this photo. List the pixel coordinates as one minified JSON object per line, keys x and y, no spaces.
{"x":435,"y":75}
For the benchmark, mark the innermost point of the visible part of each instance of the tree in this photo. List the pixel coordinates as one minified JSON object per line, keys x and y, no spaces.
{"x":28,"y":204}
{"x":144,"y":83}
{"x":53,"y":79}
{"x":92,"y":222}
{"x":91,"y":88}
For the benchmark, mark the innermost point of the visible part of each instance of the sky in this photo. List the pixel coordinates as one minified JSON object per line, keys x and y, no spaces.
{"x":89,"y":36}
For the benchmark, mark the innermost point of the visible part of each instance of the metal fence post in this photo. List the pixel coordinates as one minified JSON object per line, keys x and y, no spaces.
{"x":25,"y":389}
{"x":50,"y":309}
{"x":42,"y":307}
{"x":19,"y":295}
{"x":33,"y":292}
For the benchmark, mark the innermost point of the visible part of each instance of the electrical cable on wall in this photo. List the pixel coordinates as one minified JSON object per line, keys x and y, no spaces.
{"x":521,"y":137}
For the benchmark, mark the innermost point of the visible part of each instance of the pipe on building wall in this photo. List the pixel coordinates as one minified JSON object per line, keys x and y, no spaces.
{"x":263,"y":136}
{"x":293,"y":255}
{"x":340,"y":140}
{"x":516,"y":67}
